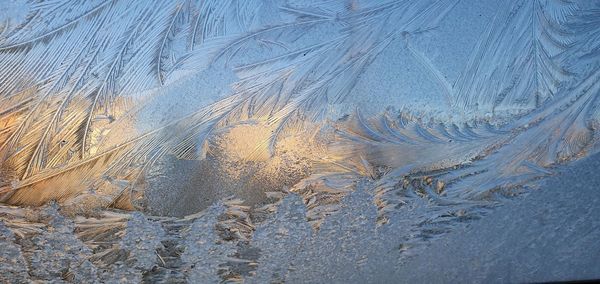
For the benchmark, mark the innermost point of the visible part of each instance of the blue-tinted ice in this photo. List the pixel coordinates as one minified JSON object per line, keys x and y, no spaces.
{"x":280,"y":140}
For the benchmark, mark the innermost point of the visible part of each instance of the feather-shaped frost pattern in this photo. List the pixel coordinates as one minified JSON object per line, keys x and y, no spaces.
{"x":217,"y":106}
{"x":524,"y":43}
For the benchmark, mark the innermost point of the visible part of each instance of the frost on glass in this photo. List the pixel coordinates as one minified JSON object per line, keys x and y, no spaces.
{"x":278,"y":140}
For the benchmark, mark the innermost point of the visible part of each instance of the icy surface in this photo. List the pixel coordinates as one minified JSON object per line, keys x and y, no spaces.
{"x":551,"y":234}
{"x":298,"y":141}
{"x":14,"y":267}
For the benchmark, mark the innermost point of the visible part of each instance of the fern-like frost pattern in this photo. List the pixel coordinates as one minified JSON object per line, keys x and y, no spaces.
{"x":221,"y":140}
